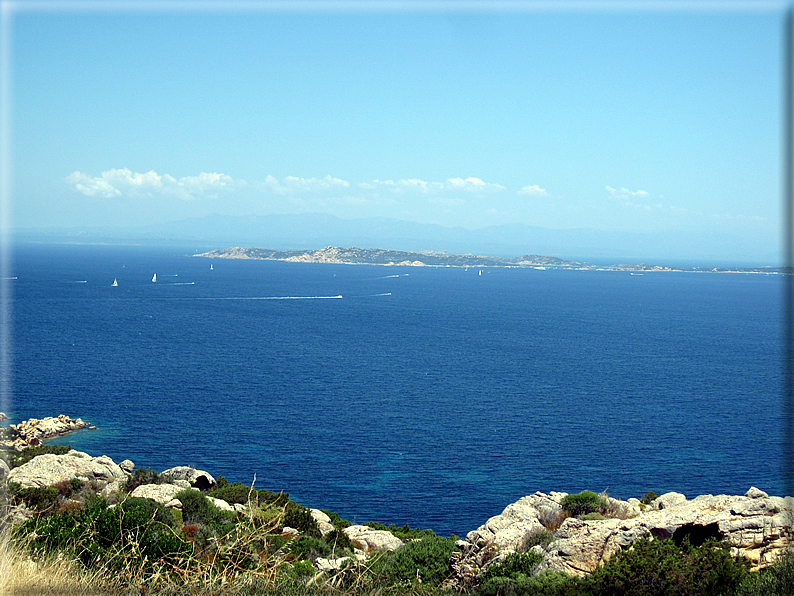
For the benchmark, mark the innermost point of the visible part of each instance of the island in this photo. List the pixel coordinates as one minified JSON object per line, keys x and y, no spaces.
{"x":378,"y":256}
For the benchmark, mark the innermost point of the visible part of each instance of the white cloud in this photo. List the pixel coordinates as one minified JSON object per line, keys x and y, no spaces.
{"x":533,"y":190}
{"x":472,"y":184}
{"x":314,"y":184}
{"x":625,"y":193}
{"x":124,"y":182}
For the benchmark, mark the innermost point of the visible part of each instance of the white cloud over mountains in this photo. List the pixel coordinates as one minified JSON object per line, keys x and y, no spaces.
{"x":123,"y":182}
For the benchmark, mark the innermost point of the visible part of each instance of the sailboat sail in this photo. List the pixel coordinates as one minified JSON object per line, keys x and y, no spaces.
{"x":115,"y":283}
{"x":154,"y":277}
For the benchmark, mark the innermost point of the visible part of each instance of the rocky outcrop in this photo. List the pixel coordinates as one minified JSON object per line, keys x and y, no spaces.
{"x":369,"y":540}
{"x":323,"y":521}
{"x":32,"y":432}
{"x":3,"y":417}
{"x":185,"y":474}
{"x":49,"y":469}
{"x":756,"y":525}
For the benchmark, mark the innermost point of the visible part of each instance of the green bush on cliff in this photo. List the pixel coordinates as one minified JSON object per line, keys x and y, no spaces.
{"x":582,"y":503}
{"x":404,"y":533}
{"x":300,"y":518}
{"x":776,"y":580}
{"x":424,"y":561}
{"x":241,"y":493}
{"x":660,"y":568}
{"x":19,"y":458}
{"x":140,"y":477}
{"x":198,"y":510}
{"x":99,"y":536}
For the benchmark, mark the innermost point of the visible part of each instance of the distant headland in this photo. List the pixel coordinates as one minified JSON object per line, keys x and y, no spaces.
{"x":378,"y":256}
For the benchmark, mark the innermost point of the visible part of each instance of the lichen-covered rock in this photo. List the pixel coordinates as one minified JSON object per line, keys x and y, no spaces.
{"x":165,"y":494}
{"x":369,"y":540}
{"x":195,"y":478}
{"x":49,"y":469}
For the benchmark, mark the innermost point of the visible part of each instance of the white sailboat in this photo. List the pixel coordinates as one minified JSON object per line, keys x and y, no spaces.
{"x":115,"y":283}
{"x":154,"y":277}
{"x":210,"y":266}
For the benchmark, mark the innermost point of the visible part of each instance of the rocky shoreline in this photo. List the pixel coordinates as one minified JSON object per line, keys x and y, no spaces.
{"x":32,"y":432}
{"x":756,"y":525}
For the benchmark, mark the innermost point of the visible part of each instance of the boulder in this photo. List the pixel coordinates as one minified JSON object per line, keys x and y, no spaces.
{"x":49,"y":469}
{"x":667,"y":500}
{"x":3,"y":417}
{"x":127,"y":466}
{"x":195,"y":478}
{"x":165,"y":494}
{"x":323,"y":521}
{"x":221,"y":504}
{"x":369,"y":540}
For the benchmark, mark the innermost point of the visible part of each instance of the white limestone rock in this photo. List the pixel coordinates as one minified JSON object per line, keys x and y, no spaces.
{"x":196,"y":478}
{"x":49,"y":469}
{"x":370,"y":540}
{"x":164,"y":494}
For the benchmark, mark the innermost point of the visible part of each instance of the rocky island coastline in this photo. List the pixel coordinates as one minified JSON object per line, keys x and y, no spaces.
{"x":376,"y":256}
{"x":755,"y":525}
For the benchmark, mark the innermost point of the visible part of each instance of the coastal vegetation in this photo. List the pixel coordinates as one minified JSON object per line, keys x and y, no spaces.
{"x":80,"y":540}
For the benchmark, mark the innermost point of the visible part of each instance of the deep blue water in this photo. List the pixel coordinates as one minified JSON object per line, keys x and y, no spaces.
{"x":426,"y":396}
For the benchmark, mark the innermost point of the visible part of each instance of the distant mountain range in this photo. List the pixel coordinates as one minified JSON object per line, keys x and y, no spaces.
{"x":317,"y":230}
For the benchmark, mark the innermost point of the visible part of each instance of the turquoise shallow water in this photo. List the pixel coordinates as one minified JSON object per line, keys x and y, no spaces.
{"x":432,"y":397}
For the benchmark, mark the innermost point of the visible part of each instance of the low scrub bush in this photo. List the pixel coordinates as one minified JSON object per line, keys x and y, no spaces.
{"x":775,"y":580}
{"x":423,"y":561}
{"x":404,"y":533}
{"x":140,"y":477}
{"x":660,"y":568}
{"x":18,"y":458}
{"x":548,"y":583}
{"x":648,"y":498}
{"x":242,"y":494}
{"x":300,"y":518}
{"x":336,"y":521}
{"x":539,"y":538}
{"x":108,"y":537}
{"x":198,"y":510}
{"x":582,"y":503}
{"x":513,"y":565}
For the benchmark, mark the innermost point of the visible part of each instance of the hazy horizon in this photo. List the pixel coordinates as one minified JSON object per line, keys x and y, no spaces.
{"x":650,"y":120}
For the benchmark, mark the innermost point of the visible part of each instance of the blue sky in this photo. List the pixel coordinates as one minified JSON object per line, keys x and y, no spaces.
{"x":633,"y":117}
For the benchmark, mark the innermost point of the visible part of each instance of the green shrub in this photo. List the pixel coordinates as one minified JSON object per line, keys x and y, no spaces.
{"x":336,"y":521}
{"x":425,"y":560}
{"x":241,"y":493}
{"x":42,"y":499}
{"x":513,"y":565}
{"x":300,"y":518}
{"x":548,"y":583}
{"x":660,"y":568}
{"x":648,"y":498}
{"x":310,"y":547}
{"x":18,"y":458}
{"x":140,"y":477}
{"x":404,"y":533}
{"x":582,"y":503}
{"x":540,"y":537}
{"x":595,"y":515}
{"x":775,"y":580}
{"x":197,"y":509}
{"x":138,"y":529}
{"x":338,"y":540}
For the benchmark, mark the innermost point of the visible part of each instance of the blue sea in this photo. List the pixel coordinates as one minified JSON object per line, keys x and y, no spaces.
{"x":427,"y":396}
